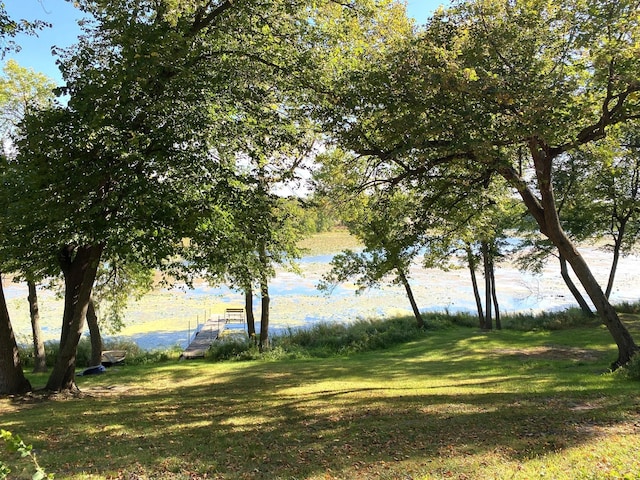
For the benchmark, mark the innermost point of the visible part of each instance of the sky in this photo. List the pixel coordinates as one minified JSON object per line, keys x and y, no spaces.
{"x":35,"y":52}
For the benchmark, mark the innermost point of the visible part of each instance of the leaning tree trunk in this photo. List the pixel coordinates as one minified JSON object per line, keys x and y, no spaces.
{"x":626,"y":345}
{"x":584,"y":306}
{"x":474,"y":282}
{"x":412,"y":300}
{"x":544,"y":210}
{"x":79,"y":266}
{"x":488,"y":322}
{"x":248,"y":308}
{"x":40,"y":356}
{"x":94,"y":333}
{"x":12,"y":379}
{"x":617,"y":247}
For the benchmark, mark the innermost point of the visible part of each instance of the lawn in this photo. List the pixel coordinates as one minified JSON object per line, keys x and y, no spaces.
{"x":458,"y":403}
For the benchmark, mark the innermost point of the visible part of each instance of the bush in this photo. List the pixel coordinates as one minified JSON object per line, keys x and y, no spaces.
{"x":135,"y":354}
{"x":631,"y":370}
{"x":324,"y":339}
{"x":232,"y":347}
{"x":570,"y":318}
{"x":320,"y":340}
{"x":627,"y":307}
{"x":14,"y":444}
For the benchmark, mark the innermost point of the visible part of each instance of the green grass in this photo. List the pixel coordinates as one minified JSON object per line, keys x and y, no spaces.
{"x":454,"y":403}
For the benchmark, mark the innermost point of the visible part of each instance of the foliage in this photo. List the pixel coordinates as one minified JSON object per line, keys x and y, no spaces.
{"x":326,"y":339}
{"x":385,"y":226}
{"x":22,"y":89}
{"x":115,"y":284}
{"x":491,"y":89}
{"x":570,"y":318}
{"x":135,"y":354}
{"x":10,"y":28}
{"x":628,"y":307}
{"x":162,"y":98}
{"x":232,"y":348}
{"x":631,"y":371}
{"x":15,"y":444}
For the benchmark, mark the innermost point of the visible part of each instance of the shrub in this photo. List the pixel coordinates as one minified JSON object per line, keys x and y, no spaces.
{"x":14,"y":444}
{"x":628,"y":307}
{"x":631,"y":370}
{"x":561,"y":320}
{"x":323,"y":339}
{"x":232,"y":347}
{"x":135,"y":354}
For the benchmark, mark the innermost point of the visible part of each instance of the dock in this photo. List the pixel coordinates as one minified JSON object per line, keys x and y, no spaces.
{"x":211,"y":331}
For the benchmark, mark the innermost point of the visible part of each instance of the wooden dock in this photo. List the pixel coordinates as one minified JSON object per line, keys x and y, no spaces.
{"x":203,"y":339}
{"x":210,"y":332}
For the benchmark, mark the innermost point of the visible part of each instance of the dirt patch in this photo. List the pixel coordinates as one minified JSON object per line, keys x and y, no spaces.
{"x":104,"y":391}
{"x":552,"y":352}
{"x":39,"y":396}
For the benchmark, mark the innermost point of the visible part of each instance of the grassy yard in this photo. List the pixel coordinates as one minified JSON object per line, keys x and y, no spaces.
{"x":458,"y":403}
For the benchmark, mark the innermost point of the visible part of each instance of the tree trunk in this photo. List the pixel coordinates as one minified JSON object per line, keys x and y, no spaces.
{"x":584,"y":306}
{"x":544,"y":210}
{"x":12,"y":379}
{"x":265,"y":303}
{"x":264,"y":315}
{"x":494,"y":294}
{"x":39,"y":354}
{"x":248,"y":308}
{"x":617,"y":247}
{"x":412,"y":300}
{"x":626,"y":345}
{"x":474,"y":282}
{"x":488,"y":323}
{"x":94,"y":332}
{"x":79,"y":266}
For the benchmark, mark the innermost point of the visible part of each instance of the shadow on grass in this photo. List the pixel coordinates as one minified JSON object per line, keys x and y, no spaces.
{"x":427,"y":408}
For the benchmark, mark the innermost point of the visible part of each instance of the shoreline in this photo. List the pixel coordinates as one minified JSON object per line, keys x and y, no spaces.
{"x":164,"y":318}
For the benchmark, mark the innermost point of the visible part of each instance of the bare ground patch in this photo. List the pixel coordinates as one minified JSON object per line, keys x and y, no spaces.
{"x":552,"y":352}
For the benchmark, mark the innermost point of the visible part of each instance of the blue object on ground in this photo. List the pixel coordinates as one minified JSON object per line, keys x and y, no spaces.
{"x":93,"y":370}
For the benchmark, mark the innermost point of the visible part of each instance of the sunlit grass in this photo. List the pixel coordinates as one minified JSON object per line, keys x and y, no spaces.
{"x":457,"y":403}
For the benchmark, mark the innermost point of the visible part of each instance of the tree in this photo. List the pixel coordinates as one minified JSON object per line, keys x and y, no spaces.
{"x":485,"y":79}
{"x":261,"y":230}
{"x":21,"y":90}
{"x":127,"y":165}
{"x":570,"y":185}
{"x":118,"y":169}
{"x":40,"y":359}
{"x":116,"y":282}
{"x":10,"y":28}
{"x":608,"y":204}
{"x":12,"y":379}
{"x":484,"y":242}
{"x":383,"y":222}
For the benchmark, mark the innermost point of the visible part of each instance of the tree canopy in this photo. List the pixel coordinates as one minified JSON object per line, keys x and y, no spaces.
{"x":485,"y":83}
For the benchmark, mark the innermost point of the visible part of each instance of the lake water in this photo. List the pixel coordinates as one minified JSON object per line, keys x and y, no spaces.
{"x":168,"y":317}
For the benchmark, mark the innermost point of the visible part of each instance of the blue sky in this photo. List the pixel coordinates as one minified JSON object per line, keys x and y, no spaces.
{"x":36,"y":52}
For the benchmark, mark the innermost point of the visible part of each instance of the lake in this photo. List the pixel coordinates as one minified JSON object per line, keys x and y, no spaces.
{"x":168,"y":317}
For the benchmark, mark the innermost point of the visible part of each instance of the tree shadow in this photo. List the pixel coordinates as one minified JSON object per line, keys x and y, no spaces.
{"x":401,"y":411}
